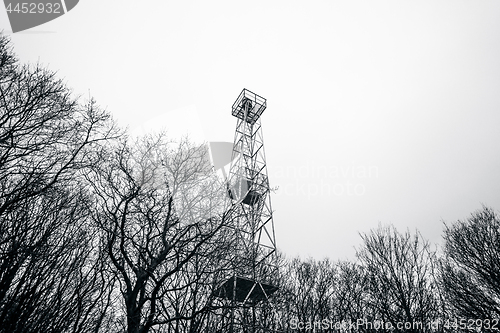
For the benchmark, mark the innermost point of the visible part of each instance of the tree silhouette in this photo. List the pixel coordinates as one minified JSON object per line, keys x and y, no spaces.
{"x":470,"y":270}
{"x":160,"y":210}
{"x":50,"y":278}
{"x":401,"y":285}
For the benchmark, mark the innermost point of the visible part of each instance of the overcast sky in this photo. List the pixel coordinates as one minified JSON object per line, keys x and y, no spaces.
{"x":378,"y":111}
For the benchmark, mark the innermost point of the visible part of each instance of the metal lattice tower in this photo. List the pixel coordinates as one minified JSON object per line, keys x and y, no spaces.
{"x":255,"y":269}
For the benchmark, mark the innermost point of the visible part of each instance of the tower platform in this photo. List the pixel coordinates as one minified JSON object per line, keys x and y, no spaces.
{"x":244,"y":290}
{"x":252,"y":103}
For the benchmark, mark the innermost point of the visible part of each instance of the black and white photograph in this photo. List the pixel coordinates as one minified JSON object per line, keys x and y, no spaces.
{"x":324,"y":166}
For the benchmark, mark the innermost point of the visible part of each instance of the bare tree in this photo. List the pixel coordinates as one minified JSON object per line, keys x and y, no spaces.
{"x":470,"y":270}
{"x":49,"y":276}
{"x":401,"y":284}
{"x":306,"y":294}
{"x":161,"y":213}
{"x":350,"y":296}
{"x":57,"y":283}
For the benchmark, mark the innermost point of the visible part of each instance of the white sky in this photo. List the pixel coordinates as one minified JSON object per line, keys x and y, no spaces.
{"x":378,"y":111}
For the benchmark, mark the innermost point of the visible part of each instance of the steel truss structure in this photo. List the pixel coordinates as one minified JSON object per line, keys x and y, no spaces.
{"x":254,"y":272}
